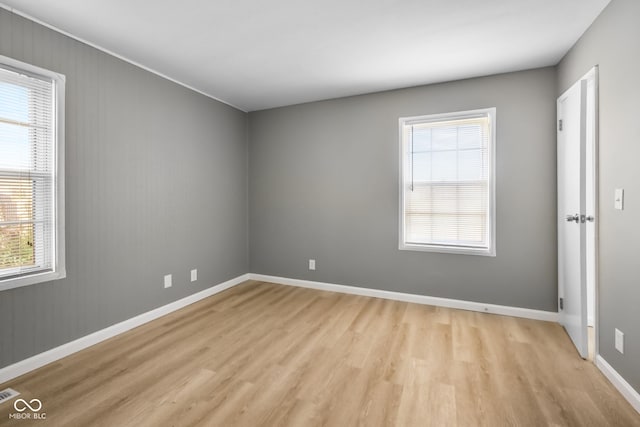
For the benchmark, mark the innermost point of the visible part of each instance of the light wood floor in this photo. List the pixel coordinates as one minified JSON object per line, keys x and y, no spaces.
{"x":266,"y":354}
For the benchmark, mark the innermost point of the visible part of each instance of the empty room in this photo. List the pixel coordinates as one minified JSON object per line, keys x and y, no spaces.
{"x":337,"y":213}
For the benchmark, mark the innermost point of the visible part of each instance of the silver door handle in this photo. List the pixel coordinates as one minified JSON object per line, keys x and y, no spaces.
{"x":575,"y":218}
{"x":590,"y":218}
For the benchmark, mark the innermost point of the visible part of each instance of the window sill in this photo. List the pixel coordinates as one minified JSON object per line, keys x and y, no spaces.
{"x":31,"y":279}
{"x":491,"y":252}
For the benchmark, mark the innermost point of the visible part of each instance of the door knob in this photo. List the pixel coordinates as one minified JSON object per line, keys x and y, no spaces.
{"x":575,"y":218}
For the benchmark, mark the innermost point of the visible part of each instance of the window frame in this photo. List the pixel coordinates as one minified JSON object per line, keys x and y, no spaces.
{"x":491,"y":156}
{"x":58,"y":269}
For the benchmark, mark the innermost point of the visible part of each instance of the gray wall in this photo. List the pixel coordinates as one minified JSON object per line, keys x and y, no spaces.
{"x":323,"y":184}
{"x":613,"y":42}
{"x":156,"y":184}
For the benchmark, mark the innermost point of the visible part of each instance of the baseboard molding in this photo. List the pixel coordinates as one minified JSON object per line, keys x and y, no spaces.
{"x":527,"y":313}
{"x":629,"y":393}
{"x":27,"y":365}
{"x":22,"y":367}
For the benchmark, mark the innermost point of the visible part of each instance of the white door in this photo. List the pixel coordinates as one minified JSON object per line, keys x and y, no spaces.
{"x":572,"y":256}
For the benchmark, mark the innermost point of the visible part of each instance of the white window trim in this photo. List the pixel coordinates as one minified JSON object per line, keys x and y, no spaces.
{"x":451,"y":249}
{"x":59,"y":265}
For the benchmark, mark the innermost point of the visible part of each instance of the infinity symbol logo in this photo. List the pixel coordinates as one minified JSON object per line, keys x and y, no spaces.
{"x":25,"y":405}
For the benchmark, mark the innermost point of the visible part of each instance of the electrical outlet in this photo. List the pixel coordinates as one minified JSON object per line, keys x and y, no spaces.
{"x":312,"y":264}
{"x":167,"y":281}
{"x":194,"y":275}
{"x":619,"y":341}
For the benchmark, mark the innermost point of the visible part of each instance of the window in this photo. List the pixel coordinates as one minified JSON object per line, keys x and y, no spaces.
{"x":447,"y":200}
{"x":31,"y":174}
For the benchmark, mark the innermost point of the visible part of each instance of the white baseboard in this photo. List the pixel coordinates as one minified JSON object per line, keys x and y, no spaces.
{"x":629,"y":393}
{"x":13,"y":371}
{"x":19,"y":368}
{"x":527,"y":313}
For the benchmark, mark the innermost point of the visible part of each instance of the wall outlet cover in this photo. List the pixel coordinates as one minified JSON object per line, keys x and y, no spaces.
{"x":194,"y":275}
{"x":312,"y":264}
{"x":167,"y":281}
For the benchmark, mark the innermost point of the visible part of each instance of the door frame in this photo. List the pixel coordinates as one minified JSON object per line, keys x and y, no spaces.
{"x":593,"y":75}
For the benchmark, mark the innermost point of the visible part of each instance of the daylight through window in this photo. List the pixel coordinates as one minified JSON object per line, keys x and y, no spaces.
{"x":447,"y":196}
{"x":30,"y":140}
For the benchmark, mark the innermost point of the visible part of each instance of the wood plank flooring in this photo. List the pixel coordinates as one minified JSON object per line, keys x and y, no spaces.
{"x":273,"y":355}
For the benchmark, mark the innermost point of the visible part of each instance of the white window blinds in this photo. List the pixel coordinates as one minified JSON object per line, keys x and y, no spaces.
{"x":447,"y":188}
{"x":28,"y":168}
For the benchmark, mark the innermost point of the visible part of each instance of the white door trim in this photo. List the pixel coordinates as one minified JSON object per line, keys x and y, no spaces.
{"x":594,"y":76}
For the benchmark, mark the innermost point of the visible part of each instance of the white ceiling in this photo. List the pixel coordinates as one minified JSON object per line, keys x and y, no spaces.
{"x":256,"y":54}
